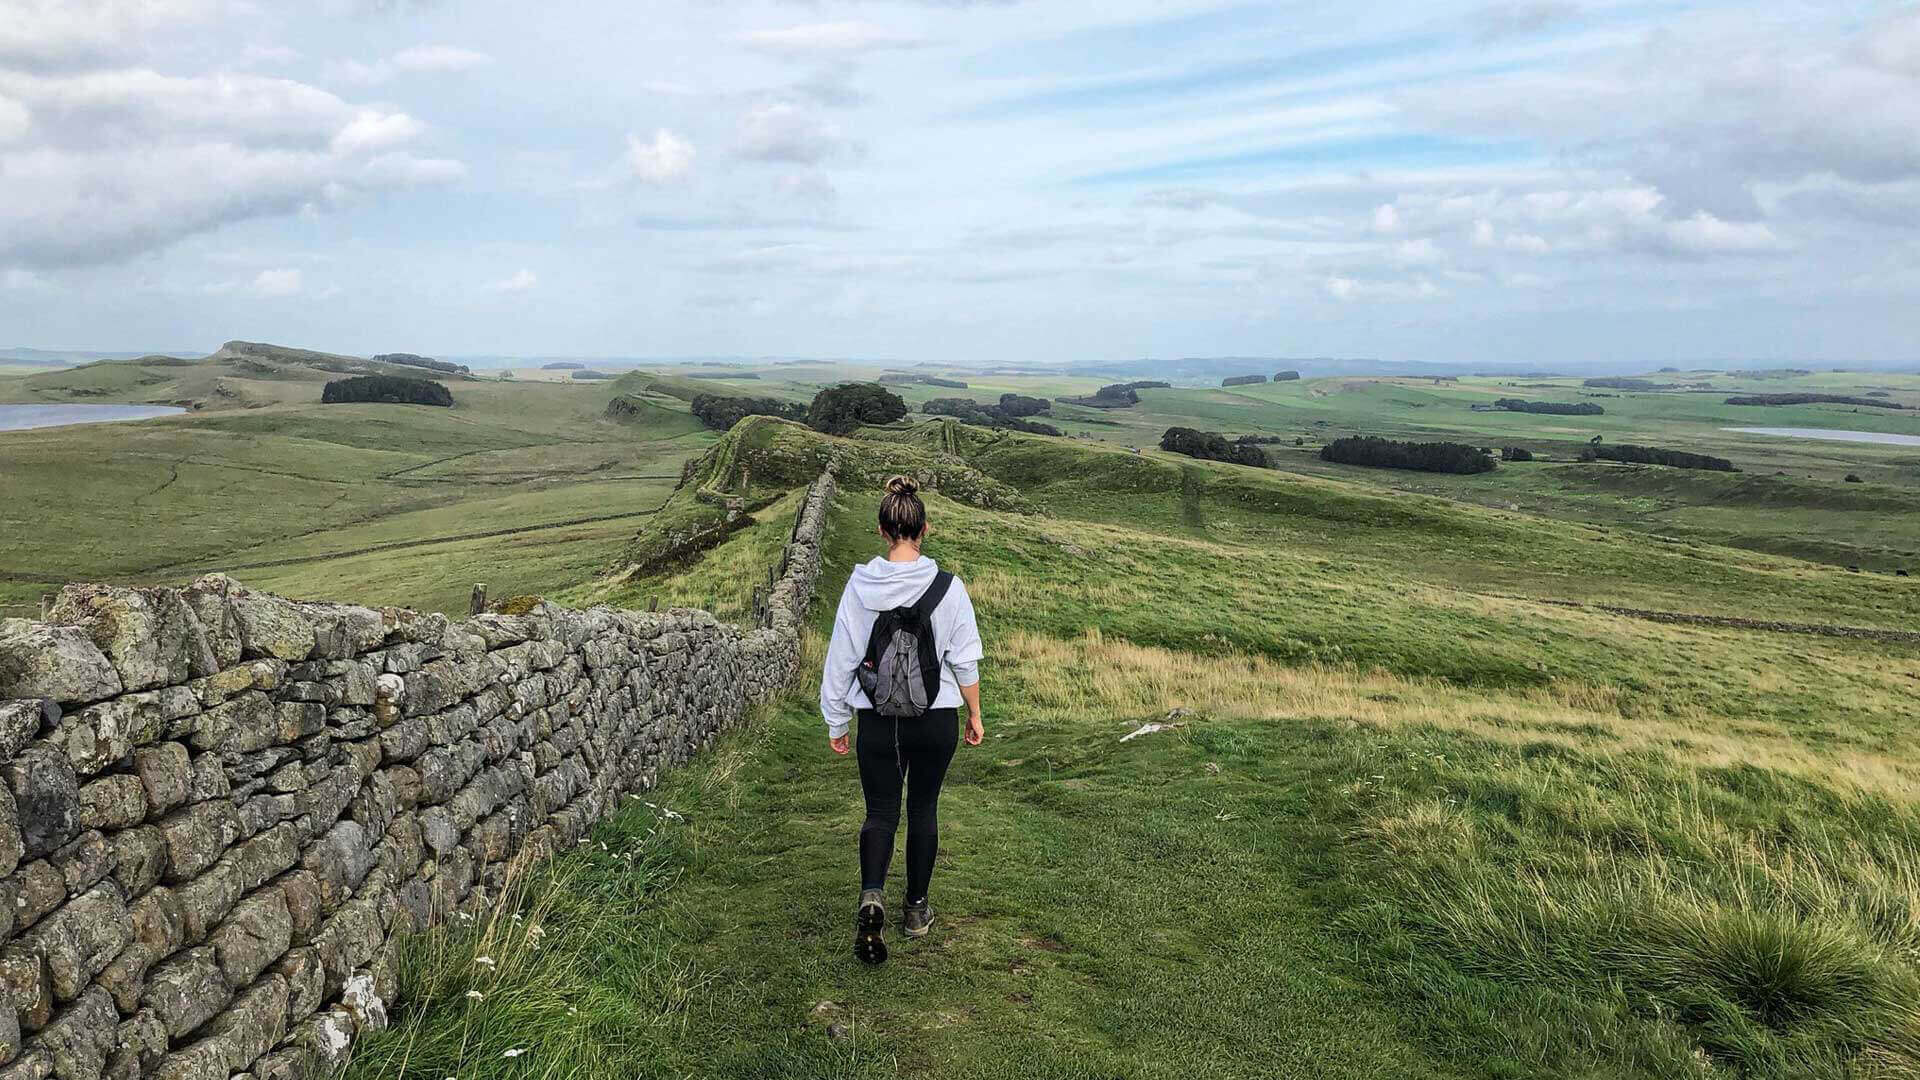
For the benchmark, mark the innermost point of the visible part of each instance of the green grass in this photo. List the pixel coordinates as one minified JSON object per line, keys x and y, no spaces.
{"x":1410,"y":828}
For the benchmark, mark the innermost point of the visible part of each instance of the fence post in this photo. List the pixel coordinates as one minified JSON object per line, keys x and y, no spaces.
{"x":653,"y":603}
{"x":479,"y":603}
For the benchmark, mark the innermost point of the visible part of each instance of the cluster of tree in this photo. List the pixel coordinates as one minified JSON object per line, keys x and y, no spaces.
{"x":838,"y":410}
{"x":992,"y":416}
{"x":1211,"y":446}
{"x":1653,"y":455}
{"x":406,"y":359}
{"x":1140,"y":384}
{"x":721,"y":412}
{"x":1443,"y":457}
{"x":723,"y":374}
{"x":561,"y":365}
{"x":1242,"y":380}
{"x":1285,"y":376}
{"x":390,"y":389}
{"x":589,"y":374}
{"x":1114,"y":396}
{"x":1810,"y":399}
{"x":950,"y":384}
{"x":1770,"y":373}
{"x":908,"y":378}
{"x":1516,"y":453}
{"x":1262,"y":440}
{"x":1021,"y":405}
{"x":1616,"y":383}
{"x":1555,"y":408}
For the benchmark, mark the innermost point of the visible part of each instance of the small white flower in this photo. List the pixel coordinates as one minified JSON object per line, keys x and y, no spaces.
{"x":536,"y":930}
{"x":573,"y":1010}
{"x":484,"y":960}
{"x":515,"y":1052}
{"x":475,"y":995}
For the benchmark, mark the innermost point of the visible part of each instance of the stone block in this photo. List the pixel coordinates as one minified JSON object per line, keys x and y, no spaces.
{"x":38,"y":660}
{"x":159,"y":921}
{"x":38,"y":888}
{"x":207,"y":779}
{"x":81,"y":938}
{"x":271,"y":627}
{"x":253,"y":936}
{"x":46,"y":796}
{"x":99,"y":735}
{"x":301,"y":891}
{"x":113,"y":802}
{"x":340,"y":860}
{"x":186,"y":990}
{"x":80,"y":1038}
{"x":248,"y":719}
{"x":25,"y":980}
{"x":22,"y":719}
{"x":164,"y":770}
{"x":84,"y":861}
{"x":197,"y":836}
{"x":13,"y":845}
{"x":218,"y":621}
{"x":150,"y":636}
{"x":139,"y":858}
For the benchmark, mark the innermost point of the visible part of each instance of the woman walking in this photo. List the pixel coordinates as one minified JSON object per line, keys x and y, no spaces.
{"x":905,"y":655}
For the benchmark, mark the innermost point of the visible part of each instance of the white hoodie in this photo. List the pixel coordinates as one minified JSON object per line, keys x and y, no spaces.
{"x":879,"y":586}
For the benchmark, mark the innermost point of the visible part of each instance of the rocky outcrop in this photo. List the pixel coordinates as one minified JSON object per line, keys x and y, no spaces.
{"x":218,"y":807}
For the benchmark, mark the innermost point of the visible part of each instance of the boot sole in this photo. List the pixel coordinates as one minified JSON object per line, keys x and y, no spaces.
{"x":868,"y":946}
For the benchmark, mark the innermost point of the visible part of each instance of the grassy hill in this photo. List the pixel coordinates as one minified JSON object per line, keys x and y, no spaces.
{"x":1416,"y":818}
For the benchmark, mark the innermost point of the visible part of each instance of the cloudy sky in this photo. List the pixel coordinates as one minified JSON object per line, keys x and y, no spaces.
{"x":1016,"y":181}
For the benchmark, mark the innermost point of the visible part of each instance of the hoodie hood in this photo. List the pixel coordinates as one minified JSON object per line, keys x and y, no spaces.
{"x":880,"y":585}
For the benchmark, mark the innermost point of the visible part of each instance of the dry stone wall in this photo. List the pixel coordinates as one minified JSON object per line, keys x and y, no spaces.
{"x":220,"y":807}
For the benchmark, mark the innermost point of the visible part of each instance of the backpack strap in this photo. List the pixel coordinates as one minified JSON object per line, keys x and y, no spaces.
{"x":923,"y":608}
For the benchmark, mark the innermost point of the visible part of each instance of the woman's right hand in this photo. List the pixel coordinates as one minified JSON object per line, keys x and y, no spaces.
{"x":840,"y":744}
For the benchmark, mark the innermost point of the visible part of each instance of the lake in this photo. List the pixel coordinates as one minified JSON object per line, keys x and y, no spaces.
{"x":1832,"y":434}
{"x":21,"y":417}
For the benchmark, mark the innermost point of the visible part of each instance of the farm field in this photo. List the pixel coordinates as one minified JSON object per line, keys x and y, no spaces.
{"x":261,"y":473}
{"x":1414,"y":820}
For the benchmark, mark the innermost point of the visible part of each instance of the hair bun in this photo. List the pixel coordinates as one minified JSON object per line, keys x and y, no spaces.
{"x":902,"y":485}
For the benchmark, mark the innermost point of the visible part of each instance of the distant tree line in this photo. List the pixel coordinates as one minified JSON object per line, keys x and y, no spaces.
{"x":1211,"y":446}
{"x":1242,"y":380}
{"x":1554,"y":408}
{"x":1021,"y":405}
{"x":723,"y":374}
{"x":935,"y":380}
{"x":1113,"y":396}
{"x":1379,"y":453}
{"x":907,"y":378}
{"x":990,"y":416}
{"x":721,"y":412}
{"x":1653,"y":455}
{"x":589,"y":375}
{"x":1261,"y":440}
{"x":387,"y":389}
{"x":1612,"y":382}
{"x":561,"y":365}
{"x":410,"y":360}
{"x":1810,"y":399}
{"x":1516,"y":453}
{"x":1286,"y":376}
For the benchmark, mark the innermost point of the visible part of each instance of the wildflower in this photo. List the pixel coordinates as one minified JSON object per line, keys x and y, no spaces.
{"x":475,"y":995}
{"x":486,"y":961}
{"x":515,"y":1052}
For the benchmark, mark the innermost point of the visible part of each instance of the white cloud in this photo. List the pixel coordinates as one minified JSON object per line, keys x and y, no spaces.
{"x":122,"y":161}
{"x":1420,"y":252}
{"x":829,"y":39}
{"x":371,"y":129}
{"x":664,"y":160}
{"x":780,"y":131}
{"x":54,"y":34}
{"x":1704,"y":234}
{"x":1386,"y":219}
{"x":428,"y":58}
{"x":276,"y":283}
{"x":1527,"y":244}
{"x":521,"y":281}
{"x":417,"y":60}
{"x":16,"y":278}
{"x":14,"y":120}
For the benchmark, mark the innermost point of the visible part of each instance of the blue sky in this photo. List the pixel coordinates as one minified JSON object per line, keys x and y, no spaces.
{"x":1027,"y":181}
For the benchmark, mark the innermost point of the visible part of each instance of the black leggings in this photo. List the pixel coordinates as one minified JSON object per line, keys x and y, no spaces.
{"x":916,"y":750}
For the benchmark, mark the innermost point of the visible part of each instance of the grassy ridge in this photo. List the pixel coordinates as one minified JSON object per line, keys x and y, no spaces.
{"x":1505,"y":840}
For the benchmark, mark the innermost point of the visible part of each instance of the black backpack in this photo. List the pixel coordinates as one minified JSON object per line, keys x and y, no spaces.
{"x":901,"y":672}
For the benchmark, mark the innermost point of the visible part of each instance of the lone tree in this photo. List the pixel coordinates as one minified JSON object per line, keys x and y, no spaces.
{"x":838,"y":410}
{"x":391,"y":389}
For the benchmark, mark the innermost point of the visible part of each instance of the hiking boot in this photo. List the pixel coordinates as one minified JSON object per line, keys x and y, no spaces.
{"x":918,"y":919}
{"x":871,"y":919}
